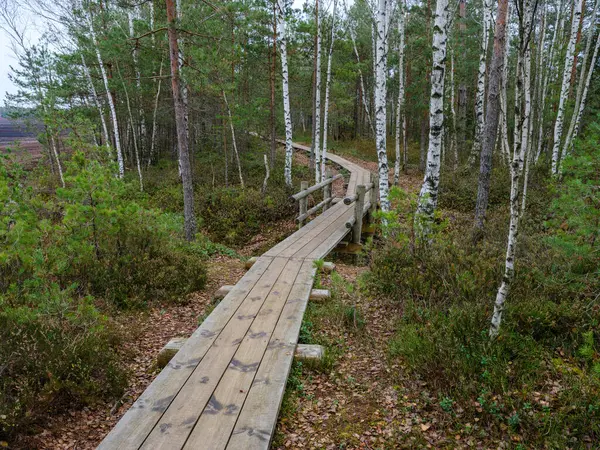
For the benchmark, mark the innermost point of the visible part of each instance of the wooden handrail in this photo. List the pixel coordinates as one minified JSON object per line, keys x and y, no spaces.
{"x":352,"y":198}
{"x":315,"y":187}
{"x":313,"y":210}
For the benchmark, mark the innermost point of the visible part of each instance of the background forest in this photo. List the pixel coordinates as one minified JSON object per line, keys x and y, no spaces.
{"x":160,"y":127}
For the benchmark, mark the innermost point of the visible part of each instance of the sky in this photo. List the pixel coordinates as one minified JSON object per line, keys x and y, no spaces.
{"x":7,"y":57}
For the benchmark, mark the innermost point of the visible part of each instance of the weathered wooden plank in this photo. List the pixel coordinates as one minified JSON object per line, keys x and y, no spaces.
{"x":218,"y":418}
{"x":173,"y":428}
{"x":328,"y":234}
{"x":256,"y":423}
{"x":133,"y":428}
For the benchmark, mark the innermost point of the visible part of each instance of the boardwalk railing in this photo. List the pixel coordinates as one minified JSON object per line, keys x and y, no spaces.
{"x":365,"y":201}
{"x":302,"y":197}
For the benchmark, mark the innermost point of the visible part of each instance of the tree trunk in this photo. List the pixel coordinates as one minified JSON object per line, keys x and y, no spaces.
{"x":522,"y":111}
{"x":492,"y":114}
{"x":400,"y":103}
{"x":327,"y":87}
{"x":272,"y":82}
{"x":317,"y":143}
{"x":181,"y":125}
{"x":380,"y":105}
{"x":233,"y":140}
{"x":558,"y":125}
{"x":286,"y":94}
{"x":428,"y":196}
{"x":86,"y":71}
{"x":481,"y":75}
{"x":109,"y":97}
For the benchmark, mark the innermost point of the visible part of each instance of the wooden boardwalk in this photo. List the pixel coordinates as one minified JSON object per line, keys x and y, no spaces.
{"x":223,"y":389}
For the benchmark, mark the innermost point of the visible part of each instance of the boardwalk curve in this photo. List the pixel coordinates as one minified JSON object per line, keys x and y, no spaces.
{"x":223,"y":389}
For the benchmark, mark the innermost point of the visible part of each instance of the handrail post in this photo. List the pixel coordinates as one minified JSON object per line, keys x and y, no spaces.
{"x":374,"y":192}
{"x":358,"y":213}
{"x":303,"y":202}
{"x":327,"y":190}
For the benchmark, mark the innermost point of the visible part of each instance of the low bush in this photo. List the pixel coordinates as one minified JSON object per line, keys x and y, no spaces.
{"x":540,"y":379}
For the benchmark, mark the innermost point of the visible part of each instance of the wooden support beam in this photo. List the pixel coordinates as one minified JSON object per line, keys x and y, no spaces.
{"x":328,"y":267}
{"x":221,"y":293}
{"x":303,"y":204}
{"x":373,"y":199}
{"x":319,"y":295}
{"x":309,"y":353}
{"x":351,"y":248}
{"x":358,"y":213}
{"x":250,"y":262}
{"x":169,"y":350}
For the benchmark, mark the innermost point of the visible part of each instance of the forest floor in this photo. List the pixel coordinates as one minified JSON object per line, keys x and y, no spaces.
{"x":363,"y":401}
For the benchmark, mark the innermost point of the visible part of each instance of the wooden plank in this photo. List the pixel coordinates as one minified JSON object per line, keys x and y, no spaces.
{"x":256,"y":423}
{"x":336,"y":229}
{"x":173,"y":428}
{"x":216,"y":423}
{"x":320,"y":223}
{"x":140,"y":419}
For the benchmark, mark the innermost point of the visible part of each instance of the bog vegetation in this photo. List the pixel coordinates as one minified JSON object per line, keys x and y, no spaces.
{"x":158,"y":124}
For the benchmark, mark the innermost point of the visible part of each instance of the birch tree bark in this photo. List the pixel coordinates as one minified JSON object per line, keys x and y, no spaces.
{"x":138,"y":81}
{"x":286,"y":93}
{"x":156,"y":98}
{"x":132,"y":124}
{"x":400,"y":103}
{"x":480,"y":93}
{"x":94,"y":94}
{"x":180,"y":123}
{"x":428,"y":195}
{"x":380,"y":105}
{"x":109,"y":98}
{"x":233,"y":140}
{"x":492,"y":114}
{"x":317,"y":143}
{"x":564,"y":90}
{"x":579,"y":111}
{"x":327,"y":88}
{"x":582,"y":84}
{"x":522,"y":112}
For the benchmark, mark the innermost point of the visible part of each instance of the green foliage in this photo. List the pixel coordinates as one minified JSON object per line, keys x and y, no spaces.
{"x":62,"y":254}
{"x":540,"y":377}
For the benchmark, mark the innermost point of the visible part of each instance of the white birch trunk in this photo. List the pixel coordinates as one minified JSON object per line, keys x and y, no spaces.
{"x":135,"y":141}
{"x":234,"y":141}
{"x":111,"y":104}
{"x":153,"y":138}
{"x":549,"y":66}
{"x":317,"y":144}
{"x":86,"y":71}
{"x":564,"y":90}
{"x":267,"y":175}
{"x":400,"y":103}
{"x":327,"y":88}
{"x":522,"y":112}
{"x":481,"y":76}
{"x":428,"y":196}
{"x":138,"y":80}
{"x":362,"y":81}
{"x":380,"y":106}
{"x":581,"y":106}
{"x":582,"y":85}
{"x":453,"y":143}
{"x":286,"y":93}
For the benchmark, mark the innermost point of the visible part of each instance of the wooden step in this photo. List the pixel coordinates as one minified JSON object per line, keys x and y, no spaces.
{"x":309,"y":353}
{"x":319,"y":295}
{"x":169,"y":350}
{"x":250,"y":262}
{"x":221,"y":293}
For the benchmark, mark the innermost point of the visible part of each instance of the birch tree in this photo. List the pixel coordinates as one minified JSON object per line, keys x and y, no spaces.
{"x":582,"y":85}
{"x":109,"y":98}
{"x":400,"y":102}
{"x":564,"y":90}
{"x":327,"y":88}
{"x":526,"y":9}
{"x":428,"y":195}
{"x":317,"y":118}
{"x":94,"y":95}
{"x":180,"y":124}
{"x":481,"y":74}
{"x":286,"y":93}
{"x":380,"y":105}
{"x":492,"y":113}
